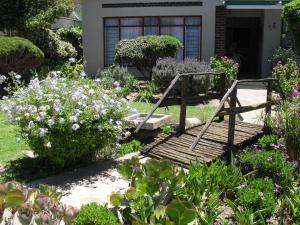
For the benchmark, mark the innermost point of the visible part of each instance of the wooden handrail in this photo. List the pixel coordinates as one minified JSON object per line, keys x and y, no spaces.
{"x":167,"y":92}
{"x":221,"y":106}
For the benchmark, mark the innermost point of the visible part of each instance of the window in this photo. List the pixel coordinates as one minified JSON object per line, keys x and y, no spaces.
{"x":186,"y":29}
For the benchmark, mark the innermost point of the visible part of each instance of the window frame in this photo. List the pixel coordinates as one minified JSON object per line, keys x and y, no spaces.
{"x":159,"y":25}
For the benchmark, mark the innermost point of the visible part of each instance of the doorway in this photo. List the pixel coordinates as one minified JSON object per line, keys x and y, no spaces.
{"x":244,"y":44}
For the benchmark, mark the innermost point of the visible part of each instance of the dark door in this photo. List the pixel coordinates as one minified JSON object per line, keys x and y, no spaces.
{"x":243,"y":43}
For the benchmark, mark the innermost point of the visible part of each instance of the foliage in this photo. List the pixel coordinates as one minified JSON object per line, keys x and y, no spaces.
{"x":216,"y":178}
{"x":66,"y":121}
{"x":73,"y":35}
{"x":224,"y":65}
{"x":117,"y":76}
{"x":54,"y":48}
{"x":153,"y":185}
{"x":267,"y":142}
{"x":27,"y":15}
{"x":27,"y":206}
{"x":95,"y":214}
{"x":167,"y":68}
{"x":283,"y":56}
{"x":287,"y":78}
{"x":18,"y":55}
{"x":144,"y":51}
{"x":167,"y":129}
{"x":272,"y":164}
{"x":132,"y":146}
{"x":258,"y":195}
{"x":291,"y":13}
{"x":286,"y":124}
{"x":146,"y":92}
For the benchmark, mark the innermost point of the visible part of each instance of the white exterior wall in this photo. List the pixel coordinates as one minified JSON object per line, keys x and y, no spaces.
{"x":271,"y":38}
{"x":93,"y":15}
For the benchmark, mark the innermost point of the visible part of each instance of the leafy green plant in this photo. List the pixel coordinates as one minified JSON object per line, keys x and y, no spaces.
{"x":66,"y":121}
{"x":286,"y":124}
{"x":153,"y":186}
{"x":143,"y":52}
{"x":216,"y":178}
{"x":272,"y":164}
{"x":258,"y":195}
{"x":132,"y":146}
{"x":26,"y":205}
{"x":287,"y":78}
{"x":146,"y":92}
{"x":283,"y":56}
{"x":94,"y":214}
{"x":291,"y":13}
{"x":18,"y":55}
{"x":267,"y":142}
{"x":224,"y":65}
{"x":167,"y":129}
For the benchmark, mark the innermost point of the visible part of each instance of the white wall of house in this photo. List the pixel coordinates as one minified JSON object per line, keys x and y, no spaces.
{"x":93,"y":15}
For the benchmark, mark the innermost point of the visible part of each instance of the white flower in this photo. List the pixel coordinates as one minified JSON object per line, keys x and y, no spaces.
{"x":127,"y":134}
{"x":18,"y":139}
{"x":116,"y":83}
{"x":75,"y":127}
{"x":83,"y":74}
{"x":43,"y":131}
{"x":73,"y":119}
{"x":100,"y":128}
{"x":2,"y":79}
{"x":4,"y":97}
{"x":51,"y":122}
{"x":18,"y":77}
{"x":72,"y":60}
{"x":38,"y":119}
{"x":42,"y":114}
{"x":91,"y":91}
{"x":48,"y":145}
{"x":61,"y":120}
{"x":31,"y":124}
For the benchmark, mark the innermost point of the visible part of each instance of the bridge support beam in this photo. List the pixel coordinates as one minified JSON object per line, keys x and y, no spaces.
{"x":184,"y":87}
{"x":232,"y":117}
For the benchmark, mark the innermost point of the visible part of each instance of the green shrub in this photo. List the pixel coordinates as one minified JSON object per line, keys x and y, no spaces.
{"x":146,"y":92}
{"x":94,"y":214}
{"x":283,"y":56}
{"x":291,"y":13}
{"x":167,"y":68}
{"x":67,"y":121}
{"x":73,"y":35}
{"x":286,"y":124}
{"x":18,"y":55}
{"x":258,"y":195}
{"x":287,"y":78}
{"x":28,"y":205}
{"x":132,"y":146}
{"x":116,"y":74}
{"x":267,"y":141}
{"x":54,"y":48}
{"x":224,"y":65}
{"x":144,"y":51}
{"x":272,"y":164}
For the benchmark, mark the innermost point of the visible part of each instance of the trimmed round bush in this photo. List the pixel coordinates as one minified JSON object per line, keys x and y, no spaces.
{"x":18,"y":55}
{"x":67,"y":121}
{"x":94,"y":214}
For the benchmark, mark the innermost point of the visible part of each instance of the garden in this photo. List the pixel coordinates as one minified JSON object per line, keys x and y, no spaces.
{"x":56,"y":118}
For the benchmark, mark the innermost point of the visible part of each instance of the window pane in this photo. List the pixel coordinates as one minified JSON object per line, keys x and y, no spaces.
{"x":111,"y":39}
{"x":111,"y":22}
{"x":131,"y":21}
{"x":151,"y":31}
{"x":150,"y":21}
{"x":176,"y":32}
{"x":171,"y":21}
{"x":192,"y":42}
{"x":193,"y":21}
{"x":131,"y":32}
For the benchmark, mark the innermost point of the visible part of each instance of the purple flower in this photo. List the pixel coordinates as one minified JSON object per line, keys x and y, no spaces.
{"x":294,"y":93}
{"x":269,"y":158}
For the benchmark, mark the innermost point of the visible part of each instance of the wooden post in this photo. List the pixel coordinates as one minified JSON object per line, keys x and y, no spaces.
{"x":184,"y":87}
{"x":222,"y":91}
{"x":269,"y":98}
{"x":232,"y":117}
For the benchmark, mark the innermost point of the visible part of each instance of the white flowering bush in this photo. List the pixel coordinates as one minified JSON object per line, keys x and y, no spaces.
{"x":65,"y":121}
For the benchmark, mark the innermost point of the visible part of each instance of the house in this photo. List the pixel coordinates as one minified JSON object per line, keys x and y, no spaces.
{"x":249,"y":30}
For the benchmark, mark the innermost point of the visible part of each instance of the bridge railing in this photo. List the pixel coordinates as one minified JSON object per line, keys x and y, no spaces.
{"x":232,"y":111}
{"x":184,"y":87}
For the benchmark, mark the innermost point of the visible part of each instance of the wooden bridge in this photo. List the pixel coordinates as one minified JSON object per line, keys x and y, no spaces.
{"x":215,"y":138}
